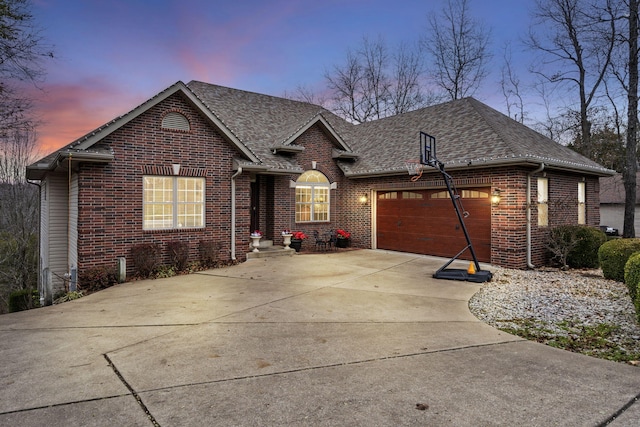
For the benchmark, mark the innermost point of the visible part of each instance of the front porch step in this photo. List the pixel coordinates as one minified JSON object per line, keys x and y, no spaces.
{"x":270,"y":251}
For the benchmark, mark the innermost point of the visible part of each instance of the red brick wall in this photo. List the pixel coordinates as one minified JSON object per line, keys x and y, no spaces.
{"x":110,"y":206}
{"x":110,"y":197}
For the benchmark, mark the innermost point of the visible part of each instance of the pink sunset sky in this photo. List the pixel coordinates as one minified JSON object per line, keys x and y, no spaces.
{"x":113,"y":55}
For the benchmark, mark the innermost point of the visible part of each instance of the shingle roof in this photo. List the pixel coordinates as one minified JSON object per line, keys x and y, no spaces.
{"x":263,"y":122}
{"x":612,"y":190}
{"x":468,"y":133}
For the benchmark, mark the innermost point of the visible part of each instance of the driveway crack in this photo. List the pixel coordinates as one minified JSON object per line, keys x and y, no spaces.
{"x":132,"y":391}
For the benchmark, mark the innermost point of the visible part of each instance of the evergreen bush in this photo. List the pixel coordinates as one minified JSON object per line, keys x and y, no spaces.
{"x":632,"y":274}
{"x":613,"y":256}
{"x":575,"y":246}
{"x":23,"y":299}
{"x":585,"y":253}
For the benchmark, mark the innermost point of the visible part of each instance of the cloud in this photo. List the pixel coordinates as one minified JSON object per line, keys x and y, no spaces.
{"x":67,"y":111}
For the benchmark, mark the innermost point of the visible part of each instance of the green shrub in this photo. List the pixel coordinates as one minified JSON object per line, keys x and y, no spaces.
{"x":575,"y":246}
{"x":632,"y":274}
{"x":209,"y":251}
{"x":145,"y":258}
{"x":179,"y":254}
{"x":613,"y":256}
{"x":24,"y":299}
{"x":585,"y":254}
{"x":97,"y":278}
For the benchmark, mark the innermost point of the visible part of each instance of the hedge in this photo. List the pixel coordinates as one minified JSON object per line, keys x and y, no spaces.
{"x":613,"y":256}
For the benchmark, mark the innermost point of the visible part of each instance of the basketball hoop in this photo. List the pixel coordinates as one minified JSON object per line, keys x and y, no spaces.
{"x":414,"y":167}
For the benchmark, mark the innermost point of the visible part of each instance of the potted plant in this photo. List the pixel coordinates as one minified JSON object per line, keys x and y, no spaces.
{"x":342,"y":238}
{"x":296,"y":240}
{"x":255,"y":240}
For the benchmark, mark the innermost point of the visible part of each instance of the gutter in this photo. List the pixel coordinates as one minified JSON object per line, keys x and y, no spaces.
{"x":529,"y":175}
{"x":233,"y":212}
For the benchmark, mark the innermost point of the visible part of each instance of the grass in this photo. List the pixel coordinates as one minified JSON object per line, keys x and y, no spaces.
{"x":597,"y":340}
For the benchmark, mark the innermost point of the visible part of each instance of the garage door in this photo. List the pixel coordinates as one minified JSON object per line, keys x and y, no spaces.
{"x":425,"y":222}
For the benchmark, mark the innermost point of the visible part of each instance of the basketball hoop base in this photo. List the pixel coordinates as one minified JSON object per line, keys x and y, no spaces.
{"x":461,"y":274}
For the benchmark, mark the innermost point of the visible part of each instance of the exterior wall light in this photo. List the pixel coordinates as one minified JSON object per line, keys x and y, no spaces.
{"x":363,"y":199}
{"x":495,"y":197}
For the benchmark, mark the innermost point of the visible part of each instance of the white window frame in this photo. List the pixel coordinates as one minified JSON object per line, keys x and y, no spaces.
{"x":313,"y":198}
{"x":177,"y":206}
{"x":543,"y":202}
{"x":582,"y":203}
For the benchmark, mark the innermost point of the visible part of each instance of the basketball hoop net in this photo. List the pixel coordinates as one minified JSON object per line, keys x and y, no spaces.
{"x":414,"y":167}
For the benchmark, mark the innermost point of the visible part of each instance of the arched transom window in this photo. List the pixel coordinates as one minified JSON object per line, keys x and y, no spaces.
{"x":312,"y":197}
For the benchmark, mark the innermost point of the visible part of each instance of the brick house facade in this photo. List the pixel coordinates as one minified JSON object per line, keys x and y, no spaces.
{"x":249,"y":149}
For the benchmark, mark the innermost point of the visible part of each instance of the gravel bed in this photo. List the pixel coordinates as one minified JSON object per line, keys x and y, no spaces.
{"x":561,"y":308}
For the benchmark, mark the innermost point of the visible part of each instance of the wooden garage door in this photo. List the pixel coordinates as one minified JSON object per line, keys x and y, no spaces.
{"x":425,"y":222}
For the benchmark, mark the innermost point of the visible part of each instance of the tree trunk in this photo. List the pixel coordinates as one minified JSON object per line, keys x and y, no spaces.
{"x":632,"y":122}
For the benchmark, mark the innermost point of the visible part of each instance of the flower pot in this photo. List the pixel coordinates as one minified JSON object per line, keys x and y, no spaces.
{"x":286,"y":240}
{"x":342,"y":243}
{"x":255,"y":242}
{"x":296,"y":244}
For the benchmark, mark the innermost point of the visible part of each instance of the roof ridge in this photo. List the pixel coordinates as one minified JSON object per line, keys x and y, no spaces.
{"x":481,"y":109}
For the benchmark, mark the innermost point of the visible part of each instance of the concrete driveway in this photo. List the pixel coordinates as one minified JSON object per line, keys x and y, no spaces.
{"x":356,"y":338}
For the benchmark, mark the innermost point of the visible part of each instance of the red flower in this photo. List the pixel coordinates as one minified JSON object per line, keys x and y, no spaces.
{"x":343,"y":234}
{"x":299,"y":235}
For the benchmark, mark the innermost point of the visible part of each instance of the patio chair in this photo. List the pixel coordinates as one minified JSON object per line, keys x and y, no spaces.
{"x":322,"y":242}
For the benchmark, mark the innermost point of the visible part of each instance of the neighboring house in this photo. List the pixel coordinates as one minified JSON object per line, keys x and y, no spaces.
{"x":612,"y":198}
{"x":200,"y":162}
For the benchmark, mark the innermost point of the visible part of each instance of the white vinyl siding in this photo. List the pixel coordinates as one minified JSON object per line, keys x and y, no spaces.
{"x":56,"y":248}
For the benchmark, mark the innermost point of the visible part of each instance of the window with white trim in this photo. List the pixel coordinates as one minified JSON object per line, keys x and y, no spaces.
{"x":171,"y":202}
{"x":312,"y":197}
{"x":582,"y":203}
{"x":543,"y":202}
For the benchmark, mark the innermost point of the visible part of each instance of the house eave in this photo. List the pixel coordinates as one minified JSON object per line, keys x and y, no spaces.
{"x":286,"y":149}
{"x":38,"y":171}
{"x":552,"y":164}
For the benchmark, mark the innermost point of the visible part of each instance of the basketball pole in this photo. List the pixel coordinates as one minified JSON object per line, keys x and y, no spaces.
{"x":428,"y":157}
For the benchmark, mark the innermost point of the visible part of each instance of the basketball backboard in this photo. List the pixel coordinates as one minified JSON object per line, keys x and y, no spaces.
{"x":427,"y":149}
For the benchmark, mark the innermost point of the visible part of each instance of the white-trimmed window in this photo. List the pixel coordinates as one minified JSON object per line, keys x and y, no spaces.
{"x":543,"y":202}
{"x":312,"y":197}
{"x":171,"y":202}
{"x":582,"y":203}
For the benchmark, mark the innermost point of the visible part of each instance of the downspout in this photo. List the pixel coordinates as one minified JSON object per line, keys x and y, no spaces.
{"x":233,"y":212}
{"x":529,"y":175}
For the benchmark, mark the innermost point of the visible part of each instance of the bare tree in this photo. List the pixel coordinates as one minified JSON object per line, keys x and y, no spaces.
{"x":510,"y":84}
{"x":458,"y":46}
{"x":631,"y":169}
{"x":576,"y":39}
{"x":372,"y":83}
{"x":21,"y":51}
{"x":18,"y":215}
